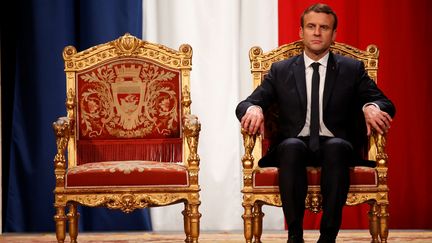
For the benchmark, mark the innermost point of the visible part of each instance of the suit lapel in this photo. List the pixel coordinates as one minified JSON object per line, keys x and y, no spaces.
{"x":300,"y":78}
{"x":330,"y":79}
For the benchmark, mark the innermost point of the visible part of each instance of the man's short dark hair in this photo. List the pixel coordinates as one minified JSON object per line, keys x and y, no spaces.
{"x":320,"y":8}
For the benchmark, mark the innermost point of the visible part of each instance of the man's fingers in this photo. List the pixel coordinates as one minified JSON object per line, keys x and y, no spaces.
{"x":368,"y":128}
{"x":251,"y":123}
{"x":389,"y":118}
{"x":378,"y":129}
{"x":262,"y":128}
{"x":245,"y":122}
{"x":256,"y":125}
{"x":252,"y":120}
{"x":253,"y":126}
{"x":379,"y":121}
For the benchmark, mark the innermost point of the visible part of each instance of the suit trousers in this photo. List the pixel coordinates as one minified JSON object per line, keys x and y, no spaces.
{"x":333,"y":157}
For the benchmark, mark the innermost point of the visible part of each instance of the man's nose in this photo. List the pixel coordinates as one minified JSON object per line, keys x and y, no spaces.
{"x":317,"y":30}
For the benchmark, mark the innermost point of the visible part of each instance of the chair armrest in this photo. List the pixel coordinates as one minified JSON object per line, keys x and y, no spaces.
{"x":249,"y":144}
{"x":191,"y":130}
{"x":62,"y":129}
{"x":377,"y":149}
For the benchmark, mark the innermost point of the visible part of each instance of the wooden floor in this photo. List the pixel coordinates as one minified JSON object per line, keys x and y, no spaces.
{"x":347,"y":236}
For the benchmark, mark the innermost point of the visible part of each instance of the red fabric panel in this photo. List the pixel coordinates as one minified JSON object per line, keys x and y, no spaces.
{"x":167,"y":150}
{"x":127,"y":173}
{"x":359,"y":176}
{"x":402,"y":31}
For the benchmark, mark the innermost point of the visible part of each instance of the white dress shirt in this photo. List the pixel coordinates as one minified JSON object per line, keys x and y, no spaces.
{"x":323,"y":130}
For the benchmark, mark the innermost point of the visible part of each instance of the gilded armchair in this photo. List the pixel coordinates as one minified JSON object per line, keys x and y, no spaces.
{"x":129,"y":140}
{"x":260,"y":185}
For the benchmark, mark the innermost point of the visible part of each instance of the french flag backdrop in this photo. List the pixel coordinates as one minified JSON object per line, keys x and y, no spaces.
{"x":220,"y":33}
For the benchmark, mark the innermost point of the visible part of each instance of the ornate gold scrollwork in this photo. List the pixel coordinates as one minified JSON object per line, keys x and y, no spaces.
{"x":380,"y":142}
{"x":249,"y":144}
{"x":191,"y":129}
{"x":186,"y":49}
{"x":193,"y":177}
{"x":70,"y":100}
{"x":357,"y":198}
{"x":314,"y":202}
{"x":270,"y":199}
{"x":127,"y":44}
{"x":68,"y":52}
{"x":247,"y":178}
{"x":62,"y":132}
{"x":186,"y":100}
{"x":127,"y":203}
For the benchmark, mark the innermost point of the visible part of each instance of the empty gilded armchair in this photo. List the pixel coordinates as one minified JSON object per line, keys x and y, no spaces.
{"x":129,"y":140}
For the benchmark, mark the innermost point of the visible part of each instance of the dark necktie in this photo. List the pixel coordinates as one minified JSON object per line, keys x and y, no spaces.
{"x":314,"y":116}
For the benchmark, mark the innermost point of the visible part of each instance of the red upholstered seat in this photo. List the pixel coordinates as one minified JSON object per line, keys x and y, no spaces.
{"x":127,"y":173}
{"x":359,"y":176}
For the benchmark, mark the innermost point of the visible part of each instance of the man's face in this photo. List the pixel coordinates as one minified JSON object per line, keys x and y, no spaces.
{"x":317,"y":33}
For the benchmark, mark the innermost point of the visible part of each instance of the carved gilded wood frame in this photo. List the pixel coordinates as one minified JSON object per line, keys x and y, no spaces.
{"x":123,"y":198}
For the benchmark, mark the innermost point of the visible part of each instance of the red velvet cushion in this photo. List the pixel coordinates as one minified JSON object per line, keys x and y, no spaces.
{"x":127,"y":173}
{"x":359,"y":176}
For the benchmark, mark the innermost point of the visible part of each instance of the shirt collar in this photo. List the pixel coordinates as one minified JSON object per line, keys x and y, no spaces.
{"x":323,"y":61}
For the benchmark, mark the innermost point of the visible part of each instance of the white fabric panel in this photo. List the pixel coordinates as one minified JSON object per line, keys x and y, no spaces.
{"x":220,"y":33}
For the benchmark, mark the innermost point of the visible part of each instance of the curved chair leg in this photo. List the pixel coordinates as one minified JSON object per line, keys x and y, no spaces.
{"x":383,"y":222}
{"x":60,"y":222}
{"x":187,"y":223}
{"x":373,"y":222}
{"x":257,"y":222}
{"x":73,"y":216}
{"x":194,"y":222}
{"x":247,"y":221}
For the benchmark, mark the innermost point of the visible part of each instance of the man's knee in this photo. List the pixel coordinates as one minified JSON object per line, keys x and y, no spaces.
{"x":292,"y":144}
{"x":337,"y":145}
{"x":292,"y":148}
{"x":337,"y":150}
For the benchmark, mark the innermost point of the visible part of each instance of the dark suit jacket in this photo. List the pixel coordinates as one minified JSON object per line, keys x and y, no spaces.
{"x":347,"y":88}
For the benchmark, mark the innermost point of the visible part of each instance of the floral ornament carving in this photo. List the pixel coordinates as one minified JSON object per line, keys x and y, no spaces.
{"x":129,"y":100}
{"x":125,"y":202}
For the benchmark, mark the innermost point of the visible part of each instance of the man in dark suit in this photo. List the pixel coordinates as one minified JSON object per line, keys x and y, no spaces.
{"x":319,"y":94}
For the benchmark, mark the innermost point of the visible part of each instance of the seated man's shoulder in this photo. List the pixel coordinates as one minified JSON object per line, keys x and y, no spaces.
{"x":286,"y":62}
{"x":346,"y":59}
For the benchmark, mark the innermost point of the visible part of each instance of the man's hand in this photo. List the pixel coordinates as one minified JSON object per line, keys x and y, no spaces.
{"x":376,"y":119}
{"x":253,"y":120}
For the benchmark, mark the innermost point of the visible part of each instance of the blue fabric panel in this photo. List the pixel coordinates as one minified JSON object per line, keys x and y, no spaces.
{"x":43,"y":28}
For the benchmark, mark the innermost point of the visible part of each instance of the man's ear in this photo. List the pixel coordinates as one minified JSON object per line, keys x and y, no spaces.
{"x":334,"y":35}
{"x":301,"y":33}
